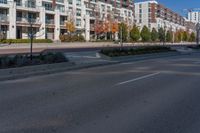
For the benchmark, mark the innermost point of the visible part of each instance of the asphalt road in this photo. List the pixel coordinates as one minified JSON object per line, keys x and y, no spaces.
{"x":152,"y":96}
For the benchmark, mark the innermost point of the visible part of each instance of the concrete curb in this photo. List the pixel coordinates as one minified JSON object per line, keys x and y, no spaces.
{"x":24,"y":72}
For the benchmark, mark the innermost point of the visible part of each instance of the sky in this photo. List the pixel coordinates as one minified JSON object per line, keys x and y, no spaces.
{"x":179,"y":5}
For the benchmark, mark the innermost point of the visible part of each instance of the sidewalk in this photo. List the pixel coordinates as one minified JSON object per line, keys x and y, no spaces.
{"x":81,"y":45}
{"x":69,"y":47}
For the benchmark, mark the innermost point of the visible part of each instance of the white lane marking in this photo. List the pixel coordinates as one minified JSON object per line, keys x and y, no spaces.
{"x":139,"y":78}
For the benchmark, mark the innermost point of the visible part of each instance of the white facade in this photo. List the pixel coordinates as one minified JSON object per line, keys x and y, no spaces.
{"x":194,"y":16}
{"x":49,"y":22}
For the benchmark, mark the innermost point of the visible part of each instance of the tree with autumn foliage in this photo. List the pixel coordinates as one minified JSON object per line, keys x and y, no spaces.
{"x":70,"y":26}
{"x":106,"y":28}
{"x":98,"y":28}
{"x":114,"y":28}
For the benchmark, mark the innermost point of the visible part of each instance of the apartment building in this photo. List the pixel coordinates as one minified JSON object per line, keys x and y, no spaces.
{"x":48,"y":17}
{"x":155,"y":15}
{"x":194,"y":15}
{"x":109,"y":10}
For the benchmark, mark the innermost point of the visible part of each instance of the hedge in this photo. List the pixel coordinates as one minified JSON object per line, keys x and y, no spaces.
{"x":24,"y":60}
{"x":137,"y":51}
{"x":72,"y":38}
{"x":25,"y":41}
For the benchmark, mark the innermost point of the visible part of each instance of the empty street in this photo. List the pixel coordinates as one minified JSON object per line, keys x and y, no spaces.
{"x":150,"y":96}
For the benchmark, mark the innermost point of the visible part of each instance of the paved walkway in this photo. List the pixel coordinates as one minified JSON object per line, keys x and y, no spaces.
{"x":68,"y":47}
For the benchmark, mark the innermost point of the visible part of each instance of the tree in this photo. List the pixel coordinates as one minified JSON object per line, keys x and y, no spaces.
{"x":185,"y":36}
{"x":123,"y":29}
{"x":145,"y":34}
{"x":176,"y":37}
{"x":154,"y":35}
{"x":114,"y":27}
{"x":161,"y":34}
{"x":169,"y":36}
{"x":180,"y":35}
{"x":70,"y":26}
{"x":135,"y":33}
{"x":192,"y":37}
{"x":98,"y":28}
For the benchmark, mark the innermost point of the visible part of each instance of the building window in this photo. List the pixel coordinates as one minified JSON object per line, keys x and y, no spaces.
{"x":140,"y":10}
{"x":70,"y":2}
{"x":78,"y":22}
{"x":78,"y":2}
{"x":78,"y":12}
{"x":61,"y":8}
{"x":47,"y":5}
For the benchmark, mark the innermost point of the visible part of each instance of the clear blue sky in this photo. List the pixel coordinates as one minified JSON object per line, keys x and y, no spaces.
{"x":178,"y":5}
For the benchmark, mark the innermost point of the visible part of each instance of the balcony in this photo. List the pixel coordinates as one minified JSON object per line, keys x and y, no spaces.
{"x":49,"y":21}
{"x":26,"y":20}
{"x":4,"y":18}
{"x":22,"y":21}
{"x":30,"y":5}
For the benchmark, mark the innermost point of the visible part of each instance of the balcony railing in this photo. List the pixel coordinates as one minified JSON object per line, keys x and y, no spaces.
{"x":62,"y":22}
{"x":49,"y":21}
{"x":3,"y":18}
{"x":26,"y":20}
{"x":30,"y":5}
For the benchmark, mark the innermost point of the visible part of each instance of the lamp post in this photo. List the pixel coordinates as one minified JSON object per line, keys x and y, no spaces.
{"x":31,"y":35}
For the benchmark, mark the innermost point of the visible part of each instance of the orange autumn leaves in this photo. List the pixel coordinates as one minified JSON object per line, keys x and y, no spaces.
{"x":105,"y":27}
{"x":70,"y":26}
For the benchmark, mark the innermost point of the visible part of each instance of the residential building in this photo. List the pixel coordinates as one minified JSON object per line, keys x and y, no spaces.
{"x":48,"y":17}
{"x":154,"y":15}
{"x":194,"y":15}
{"x":109,"y":10}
